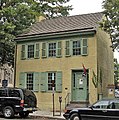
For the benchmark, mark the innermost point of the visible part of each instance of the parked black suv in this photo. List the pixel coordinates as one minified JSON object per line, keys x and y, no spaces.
{"x":17,"y":101}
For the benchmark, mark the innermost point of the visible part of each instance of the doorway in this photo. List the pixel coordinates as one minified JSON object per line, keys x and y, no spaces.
{"x":79,"y":86}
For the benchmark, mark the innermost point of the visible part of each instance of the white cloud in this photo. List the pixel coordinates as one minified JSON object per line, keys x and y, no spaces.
{"x":85,"y":6}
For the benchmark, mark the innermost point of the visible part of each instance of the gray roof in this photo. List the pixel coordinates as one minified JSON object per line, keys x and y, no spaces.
{"x":84,"y":22}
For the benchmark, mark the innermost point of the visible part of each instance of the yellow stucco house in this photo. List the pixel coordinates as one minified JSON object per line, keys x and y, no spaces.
{"x":71,"y":52}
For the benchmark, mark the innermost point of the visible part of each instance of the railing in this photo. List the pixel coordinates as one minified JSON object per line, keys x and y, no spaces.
{"x":67,"y":99}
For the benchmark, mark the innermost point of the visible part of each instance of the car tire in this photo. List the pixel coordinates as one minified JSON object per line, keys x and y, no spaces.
{"x":23,"y":114}
{"x":8,"y":112}
{"x":75,"y":116}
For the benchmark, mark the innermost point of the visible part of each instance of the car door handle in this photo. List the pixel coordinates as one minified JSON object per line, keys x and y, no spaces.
{"x":104,"y":111}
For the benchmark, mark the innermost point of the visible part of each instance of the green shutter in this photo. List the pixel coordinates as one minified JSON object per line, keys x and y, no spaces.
{"x":43,"y":82}
{"x":36,"y":82}
{"x":22,"y":80}
{"x":59,"y":81}
{"x":67,"y":48}
{"x":23,"y":52}
{"x":37,"y":50}
{"x":59,"y":49}
{"x":84,"y":47}
{"x":44,"y":50}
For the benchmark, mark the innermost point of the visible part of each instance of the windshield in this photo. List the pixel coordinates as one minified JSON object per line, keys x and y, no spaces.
{"x":101,"y":104}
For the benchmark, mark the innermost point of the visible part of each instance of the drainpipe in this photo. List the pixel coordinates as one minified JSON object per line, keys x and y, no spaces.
{"x":15,"y":60}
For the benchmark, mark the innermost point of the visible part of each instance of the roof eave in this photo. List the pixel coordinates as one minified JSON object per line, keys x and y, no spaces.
{"x":62,"y":33}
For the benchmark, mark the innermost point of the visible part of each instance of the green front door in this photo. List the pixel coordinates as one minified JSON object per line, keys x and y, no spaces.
{"x":79,"y":87}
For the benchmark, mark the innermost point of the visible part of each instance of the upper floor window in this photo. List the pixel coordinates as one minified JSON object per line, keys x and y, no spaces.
{"x":52,"y":49}
{"x":76,"y":47}
{"x":30,"y":51}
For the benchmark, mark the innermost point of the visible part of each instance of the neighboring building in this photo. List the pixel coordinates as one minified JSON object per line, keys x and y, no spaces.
{"x":7,"y":73}
{"x":62,"y":50}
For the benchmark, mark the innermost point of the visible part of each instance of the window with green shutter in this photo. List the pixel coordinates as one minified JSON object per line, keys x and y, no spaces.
{"x":37,"y":50}
{"x":67,"y":48}
{"x":59,"y":81}
{"x":36,"y":82}
{"x":46,"y":80}
{"x":22,"y":80}
{"x":84,"y":47}
{"x":43,"y":82}
{"x":23,"y":52}
{"x":59,"y":49}
{"x":44,"y":50}
{"x":29,"y":80}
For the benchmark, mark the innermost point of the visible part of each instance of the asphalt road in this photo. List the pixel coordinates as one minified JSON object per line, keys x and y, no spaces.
{"x":28,"y":118}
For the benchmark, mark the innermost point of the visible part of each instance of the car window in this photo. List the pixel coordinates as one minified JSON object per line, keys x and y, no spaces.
{"x":3,"y":93}
{"x":101,"y":104}
{"x":14,"y":93}
{"x":114,"y":105}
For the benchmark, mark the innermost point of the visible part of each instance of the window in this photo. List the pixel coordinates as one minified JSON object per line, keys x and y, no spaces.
{"x":46,"y":81}
{"x":76,"y":47}
{"x":101,"y":104}
{"x":3,"y":93}
{"x":51,"y":80}
{"x":52,"y":49}
{"x":14,"y":93}
{"x":29,"y":81}
{"x":30,"y":51}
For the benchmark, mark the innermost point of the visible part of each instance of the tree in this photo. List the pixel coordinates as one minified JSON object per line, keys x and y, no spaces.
{"x":17,"y":15}
{"x":111,"y":23}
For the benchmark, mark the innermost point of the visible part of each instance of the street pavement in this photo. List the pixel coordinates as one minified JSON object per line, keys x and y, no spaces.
{"x":48,"y":114}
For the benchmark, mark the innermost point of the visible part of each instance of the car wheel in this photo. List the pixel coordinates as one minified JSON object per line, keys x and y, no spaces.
{"x":23,"y":114}
{"x":74,"y":116}
{"x":8,"y":112}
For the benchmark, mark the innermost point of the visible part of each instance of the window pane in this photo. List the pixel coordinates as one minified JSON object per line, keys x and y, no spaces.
{"x":52,"y":49}
{"x":76,"y":48}
{"x":14,"y":93}
{"x":101,"y":104}
{"x":30,"y":81}
{"x":51,"y":77}
{"x":30,"y":51}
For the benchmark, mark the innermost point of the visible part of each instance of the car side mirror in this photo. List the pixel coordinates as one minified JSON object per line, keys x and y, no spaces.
{"x":91,"y":107}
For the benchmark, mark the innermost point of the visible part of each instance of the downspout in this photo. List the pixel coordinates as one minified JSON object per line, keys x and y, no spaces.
{"x":15,"y":60}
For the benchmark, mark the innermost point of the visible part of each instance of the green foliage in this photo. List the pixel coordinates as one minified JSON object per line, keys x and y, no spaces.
{"x":17,"y":15}
{"x":111,"y":23}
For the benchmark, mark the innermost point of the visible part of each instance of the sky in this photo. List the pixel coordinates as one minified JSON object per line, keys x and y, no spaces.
{"x":88,"y":6}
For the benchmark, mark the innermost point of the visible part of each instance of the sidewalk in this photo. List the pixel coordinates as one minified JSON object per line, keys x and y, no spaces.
{"x":48,"y":114}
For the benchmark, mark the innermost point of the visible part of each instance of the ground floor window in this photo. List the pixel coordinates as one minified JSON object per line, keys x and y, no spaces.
{"x":29,"y":81}
{"x":41,"y":81}
{"x":51,"y":80}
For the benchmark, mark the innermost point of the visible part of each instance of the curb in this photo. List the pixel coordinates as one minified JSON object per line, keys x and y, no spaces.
{"x":48,"y":117}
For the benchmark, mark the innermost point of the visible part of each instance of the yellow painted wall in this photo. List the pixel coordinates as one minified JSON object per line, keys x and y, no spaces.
{"x":64,"y":64}
{"x":105,"y":60}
